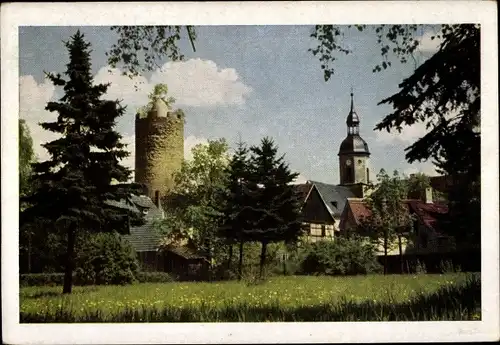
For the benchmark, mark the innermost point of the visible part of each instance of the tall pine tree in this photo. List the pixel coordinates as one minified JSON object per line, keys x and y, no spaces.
{"x":74,"y":185}
{"x":274,"y":207}
{"x":238,"y":203}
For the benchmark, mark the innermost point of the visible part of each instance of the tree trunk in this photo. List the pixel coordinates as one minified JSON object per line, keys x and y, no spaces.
{"x":70,"y":260}
{"x":385,"y":253}
{"x":262,"y":259}
{"x":240,"y":263}
{"x":401,"y":254}
{"x":230,"y":257}
{"x":284,"y":264}
{"x":29,"y":251}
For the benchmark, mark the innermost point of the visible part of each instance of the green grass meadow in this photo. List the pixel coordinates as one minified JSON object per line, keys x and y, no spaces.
{"x":454,"y":296}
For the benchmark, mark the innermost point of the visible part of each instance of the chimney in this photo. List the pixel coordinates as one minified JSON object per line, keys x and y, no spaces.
{"x":428,"y":195}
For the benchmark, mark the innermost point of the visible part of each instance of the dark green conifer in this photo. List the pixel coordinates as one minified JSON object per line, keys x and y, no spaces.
{"x":75,"y":185}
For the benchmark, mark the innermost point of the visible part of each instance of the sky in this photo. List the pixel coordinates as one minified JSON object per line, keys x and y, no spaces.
{"x":243,"y":82}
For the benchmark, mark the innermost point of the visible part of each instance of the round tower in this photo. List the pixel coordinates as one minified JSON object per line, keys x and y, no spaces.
{"x":353,"y":153}
{"x":159,"y":147}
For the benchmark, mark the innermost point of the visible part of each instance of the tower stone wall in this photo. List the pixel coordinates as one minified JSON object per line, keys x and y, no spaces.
{"x":355,"y":171}
{"x":159,"y":148}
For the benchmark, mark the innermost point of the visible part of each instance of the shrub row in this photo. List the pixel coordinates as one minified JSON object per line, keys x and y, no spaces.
{"x":154,"y":277}
{"x":57,"y":279}
{"x":344,"y":256}
{"x":41,"y":279}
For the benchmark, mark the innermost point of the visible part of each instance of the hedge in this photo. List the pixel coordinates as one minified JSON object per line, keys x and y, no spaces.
{"x":55,"y":279}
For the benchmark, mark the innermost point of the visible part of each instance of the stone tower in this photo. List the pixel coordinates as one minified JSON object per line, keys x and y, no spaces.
{"x":353,"y":154}
{"x":159,"y":148}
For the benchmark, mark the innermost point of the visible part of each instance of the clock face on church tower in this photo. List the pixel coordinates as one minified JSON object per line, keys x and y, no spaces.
{"x":348,"y":162}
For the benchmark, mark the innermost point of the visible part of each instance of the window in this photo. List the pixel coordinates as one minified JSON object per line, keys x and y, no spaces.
{"x":323,"y":230}
{"x":316,"y":230}
{"x":348,"y":178}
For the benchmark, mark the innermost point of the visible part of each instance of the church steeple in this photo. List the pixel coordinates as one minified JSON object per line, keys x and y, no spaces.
{"x":353,"y":152}
{"x":352,"y":119}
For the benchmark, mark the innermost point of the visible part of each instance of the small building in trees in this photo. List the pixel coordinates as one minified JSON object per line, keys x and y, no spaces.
{"x":426,"y":236}
{"x":321,"y":209}
{"x":180,"y":260}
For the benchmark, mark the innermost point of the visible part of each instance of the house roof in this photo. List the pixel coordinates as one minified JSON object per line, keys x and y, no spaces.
{"x":333,"y":196}
{"x":145,"y":237}
{"x":186,"y":252}
{"x":359,"y":209}
{"x":427,"y":213}
{"x":303,"y":190}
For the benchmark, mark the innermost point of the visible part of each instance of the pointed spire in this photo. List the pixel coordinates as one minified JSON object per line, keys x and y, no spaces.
{"x":352,"y":102}
{"x":352,"y":118}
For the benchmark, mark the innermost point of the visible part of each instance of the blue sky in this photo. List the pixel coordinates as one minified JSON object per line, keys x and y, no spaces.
{"x":252,"y":81}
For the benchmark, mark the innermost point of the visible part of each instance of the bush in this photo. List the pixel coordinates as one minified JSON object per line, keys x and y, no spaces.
{"x":420,"y":267}
{"x":105,"y":258}
{"x":448,"y":266}
{"x":343,"y":256}
{"x":41,"y":279}
{"x":154,"y":277}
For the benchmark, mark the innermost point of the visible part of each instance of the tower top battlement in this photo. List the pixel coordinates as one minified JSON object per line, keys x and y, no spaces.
{"x":160,"y":110}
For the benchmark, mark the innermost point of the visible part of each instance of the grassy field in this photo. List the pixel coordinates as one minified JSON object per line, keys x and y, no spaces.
{"x":296,"y":298}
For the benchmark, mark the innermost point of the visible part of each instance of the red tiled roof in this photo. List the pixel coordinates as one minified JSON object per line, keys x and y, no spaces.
{"x":359,"y":209}
{"x":426,"y":213}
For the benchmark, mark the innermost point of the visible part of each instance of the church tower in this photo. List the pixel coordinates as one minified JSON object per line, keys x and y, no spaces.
{"x":353,"y":153}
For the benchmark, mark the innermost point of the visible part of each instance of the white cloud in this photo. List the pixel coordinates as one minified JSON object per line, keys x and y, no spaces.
{"x":134,"y":92}
{"x":193,"y":82}
{"x":199,"y":82}
{"x":33,"y":99}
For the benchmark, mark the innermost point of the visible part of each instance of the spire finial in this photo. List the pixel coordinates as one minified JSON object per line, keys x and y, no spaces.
{"x":352,"y":100}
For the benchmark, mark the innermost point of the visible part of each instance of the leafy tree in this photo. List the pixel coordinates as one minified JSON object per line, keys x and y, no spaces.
{"x":390,"y":219}
{"x":160,"y":91}
{"x":74,"y":185}
{"x":274,"y":209}
{"x":193,"y":208}
{"x":106,"y":258}
{"x":139,"y":48}
{"x":237,"y":203}
{"x":418,"y":183}
{"x":26,"y":158}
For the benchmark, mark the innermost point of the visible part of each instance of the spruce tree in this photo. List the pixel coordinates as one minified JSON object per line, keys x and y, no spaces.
{"x":274,"y":207}
{"x":74,"y":185}
{"x":237,"y":203}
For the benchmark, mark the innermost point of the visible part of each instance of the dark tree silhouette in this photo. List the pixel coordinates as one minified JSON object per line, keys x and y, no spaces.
{"x":74,"y":185}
